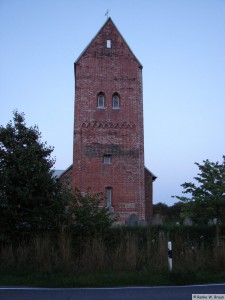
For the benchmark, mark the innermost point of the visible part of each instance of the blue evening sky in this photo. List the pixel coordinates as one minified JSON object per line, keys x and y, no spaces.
{"x":181,"y":45}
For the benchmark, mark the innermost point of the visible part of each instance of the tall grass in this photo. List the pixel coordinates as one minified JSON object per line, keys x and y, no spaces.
{"x":122,"y":250}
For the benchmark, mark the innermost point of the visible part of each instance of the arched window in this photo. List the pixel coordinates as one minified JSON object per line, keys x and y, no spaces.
{"x":101,"y":100}
{"x":116,"y":101}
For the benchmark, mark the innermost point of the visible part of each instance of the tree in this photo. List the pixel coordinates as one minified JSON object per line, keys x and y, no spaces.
{"x":174,"y":212}
{"x":160,"y":208}
{"x":86,"y":216}
{"x":170,"y":214}
{"x":206,"y":199}
{"x":28,"y":192}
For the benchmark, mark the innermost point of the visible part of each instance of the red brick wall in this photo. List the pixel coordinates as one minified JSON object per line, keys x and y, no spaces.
{"x":115,"y":132}
{"x":66,"y":177}
{"x":148,"y":195}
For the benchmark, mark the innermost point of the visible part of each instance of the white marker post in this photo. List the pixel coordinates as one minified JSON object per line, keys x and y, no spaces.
{"x":170,"y":257}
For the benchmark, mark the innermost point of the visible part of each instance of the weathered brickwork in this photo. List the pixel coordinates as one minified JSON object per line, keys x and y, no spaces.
{"x":108,"y":67}
{"x":149,"y":178}
{"x":66,"y":177}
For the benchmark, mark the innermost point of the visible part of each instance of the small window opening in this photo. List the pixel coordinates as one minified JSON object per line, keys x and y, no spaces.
{"x":107,"y":160}
{"x":101,"y":100}
{"x":108,"y":43}
{"x":116,"y":101}
{"x":108,"y":197}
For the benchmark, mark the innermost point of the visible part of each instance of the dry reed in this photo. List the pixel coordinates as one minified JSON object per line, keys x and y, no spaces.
{"x":45,"y":253}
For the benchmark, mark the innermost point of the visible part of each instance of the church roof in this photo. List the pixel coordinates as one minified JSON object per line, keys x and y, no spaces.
{"x":109,"y":20}
{"x":64,"y":171}
{"x":57,"y":173}
{"x":153,"y":176}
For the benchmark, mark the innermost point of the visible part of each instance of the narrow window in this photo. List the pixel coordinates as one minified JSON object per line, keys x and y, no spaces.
{"x":108,"y":197}
{"x":101,"y":100}
{"x":107,"y":160}
{"x":116,"y":101}
{"x":108,"y":43}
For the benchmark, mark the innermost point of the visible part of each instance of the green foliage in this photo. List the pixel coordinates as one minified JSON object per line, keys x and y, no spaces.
{"x":86,"y":216}
{"x":109,"y":279}
{"x":160,"y":208}
{"x":206,"y":199}
{"x":29,"y":195}
{"x":170,"y":214}
{"x":175,"y":212}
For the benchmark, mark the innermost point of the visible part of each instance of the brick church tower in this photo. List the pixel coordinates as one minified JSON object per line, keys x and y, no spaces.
{"x":108,"y":152}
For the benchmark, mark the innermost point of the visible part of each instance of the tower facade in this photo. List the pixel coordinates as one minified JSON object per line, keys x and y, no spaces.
{"x":108,"y":154}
